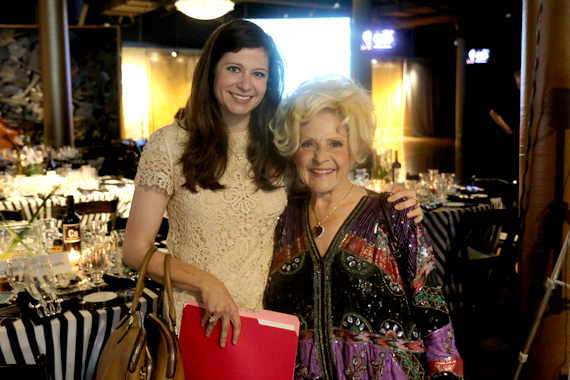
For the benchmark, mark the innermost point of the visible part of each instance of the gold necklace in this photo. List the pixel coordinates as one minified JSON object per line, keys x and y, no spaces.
{"x":240,"y":155}
{"x":319,"y":230}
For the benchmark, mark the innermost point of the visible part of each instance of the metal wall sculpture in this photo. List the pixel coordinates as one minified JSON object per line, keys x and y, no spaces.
{"x":95,"y":72}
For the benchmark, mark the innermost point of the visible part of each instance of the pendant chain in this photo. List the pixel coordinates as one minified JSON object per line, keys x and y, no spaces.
{"x":319,"y":224}
{"x":240,"y":155}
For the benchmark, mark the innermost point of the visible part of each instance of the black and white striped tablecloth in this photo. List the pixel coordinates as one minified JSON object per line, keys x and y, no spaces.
{"x":124,"y":195}
{"x":441,"y":225}
{"x":71,"y":341}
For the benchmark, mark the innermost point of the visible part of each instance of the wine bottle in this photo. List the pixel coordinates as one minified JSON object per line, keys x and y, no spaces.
{"x":71,"y":231}
{"x":396,"y":168}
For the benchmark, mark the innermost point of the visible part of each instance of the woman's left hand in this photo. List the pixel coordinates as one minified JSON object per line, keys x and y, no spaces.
{"x":399,"y":192}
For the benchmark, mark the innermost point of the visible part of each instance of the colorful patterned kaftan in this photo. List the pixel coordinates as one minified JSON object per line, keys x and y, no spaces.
{"x":369,"y":308}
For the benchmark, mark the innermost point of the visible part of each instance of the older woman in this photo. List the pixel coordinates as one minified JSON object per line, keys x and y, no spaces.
{"x":357,"y":272}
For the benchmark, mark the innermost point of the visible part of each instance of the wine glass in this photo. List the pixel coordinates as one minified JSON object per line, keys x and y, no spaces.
{"x":40,"y":284}
{"x":116,"y":257}
{"x":50,"y":232}
{"x":99,"y":228}
{"x":98,"y":262}
{"x":15,"y":271}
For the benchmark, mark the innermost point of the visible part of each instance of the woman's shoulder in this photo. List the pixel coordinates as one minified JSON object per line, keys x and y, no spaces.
{"x":379,"y":197}
{"x":170,"y":138}
{"x":297,"y":197}
{"x":170,"y":132}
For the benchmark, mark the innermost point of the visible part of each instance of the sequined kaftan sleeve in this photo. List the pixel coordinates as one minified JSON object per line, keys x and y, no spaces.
{"x":427,"y":300}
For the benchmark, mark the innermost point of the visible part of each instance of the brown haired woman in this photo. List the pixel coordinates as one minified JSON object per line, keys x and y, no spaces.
{"x":219,"y":176}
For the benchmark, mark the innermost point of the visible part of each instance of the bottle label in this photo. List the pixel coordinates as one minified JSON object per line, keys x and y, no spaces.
{"x":397,"y":175}
{"x":71,"y":233}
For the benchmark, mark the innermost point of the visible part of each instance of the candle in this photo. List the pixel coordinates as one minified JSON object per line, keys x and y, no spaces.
{"x":73,"y":257}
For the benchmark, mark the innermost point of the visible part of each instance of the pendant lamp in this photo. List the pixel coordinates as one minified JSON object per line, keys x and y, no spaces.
{"x":204,"y":9}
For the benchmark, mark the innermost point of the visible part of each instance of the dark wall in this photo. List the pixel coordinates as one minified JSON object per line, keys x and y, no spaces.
{"x":489,"y":151}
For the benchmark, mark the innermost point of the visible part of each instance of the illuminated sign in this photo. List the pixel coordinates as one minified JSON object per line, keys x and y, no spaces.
{"x":478,"y":56}
{"x":379,"y":40}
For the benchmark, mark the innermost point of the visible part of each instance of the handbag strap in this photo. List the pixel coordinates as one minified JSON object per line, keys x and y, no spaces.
{"x":168,"y":287}
{"x":167,"y":284}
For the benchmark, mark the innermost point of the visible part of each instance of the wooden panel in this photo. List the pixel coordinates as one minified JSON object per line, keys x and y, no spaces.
{"x":387,"y":88}
{"x":155,"y":86}
{"x":170,"y":83}
{"x":387,"y":96}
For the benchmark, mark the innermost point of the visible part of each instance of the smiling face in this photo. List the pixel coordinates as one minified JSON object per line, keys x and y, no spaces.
{"x":323,"y":159}
{"x":240,"y":84}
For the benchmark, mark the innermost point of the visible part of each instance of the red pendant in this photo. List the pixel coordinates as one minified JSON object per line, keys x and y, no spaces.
{"x":318,"y":230}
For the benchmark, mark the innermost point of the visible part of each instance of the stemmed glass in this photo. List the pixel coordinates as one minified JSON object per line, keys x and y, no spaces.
{"x":40,"y":284}
{"x":50,"y":232}
{"x":99,"y":228}
{"x":116,"y":257}
{"x":15,"y":270}
{"x":98,"y":262}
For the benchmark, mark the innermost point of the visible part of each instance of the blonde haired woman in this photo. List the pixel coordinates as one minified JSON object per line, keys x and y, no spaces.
{"x":357,"y":272}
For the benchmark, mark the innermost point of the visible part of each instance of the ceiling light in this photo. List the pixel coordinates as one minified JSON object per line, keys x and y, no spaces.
{"x":204,"y":9}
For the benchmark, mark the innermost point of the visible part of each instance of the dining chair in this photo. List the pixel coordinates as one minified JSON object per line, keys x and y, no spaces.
{"x":498,"y":187}
{"x":482,"y":259}
{"x":16,"y":216}
{"x":36,"y":371}
{"x":90,"y":208}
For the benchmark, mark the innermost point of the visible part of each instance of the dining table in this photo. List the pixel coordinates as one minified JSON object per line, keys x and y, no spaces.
{"x":441,"y":224}
{"x":71,"y":341}
{"x":120,"y":189}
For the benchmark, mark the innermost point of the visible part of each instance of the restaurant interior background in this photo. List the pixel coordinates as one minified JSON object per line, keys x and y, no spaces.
{"x":413,"y":84}
{"x":132,"y":64}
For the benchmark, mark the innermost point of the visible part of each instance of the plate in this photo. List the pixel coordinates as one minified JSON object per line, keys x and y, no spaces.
{"x":100,"y":297}
{"x":455,"y":204}
{"x":113,"y":182}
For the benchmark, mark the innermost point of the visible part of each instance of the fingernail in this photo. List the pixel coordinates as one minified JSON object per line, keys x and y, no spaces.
{"x":223,"y":345}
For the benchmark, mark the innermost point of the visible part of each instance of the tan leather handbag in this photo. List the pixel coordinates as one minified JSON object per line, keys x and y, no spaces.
{"x":127,"y":353}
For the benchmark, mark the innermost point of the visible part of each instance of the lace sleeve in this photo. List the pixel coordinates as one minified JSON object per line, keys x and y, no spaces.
{"x":155,"y":168}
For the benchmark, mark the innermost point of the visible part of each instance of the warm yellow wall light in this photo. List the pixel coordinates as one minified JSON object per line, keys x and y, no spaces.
{"x":135,"y":99}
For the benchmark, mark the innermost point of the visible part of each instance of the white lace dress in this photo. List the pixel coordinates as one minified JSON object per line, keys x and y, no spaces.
{"x":228,"y":233}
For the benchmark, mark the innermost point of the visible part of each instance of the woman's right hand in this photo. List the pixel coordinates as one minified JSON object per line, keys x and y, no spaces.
{"x":221,"y":307}
{"x":147,"y":210}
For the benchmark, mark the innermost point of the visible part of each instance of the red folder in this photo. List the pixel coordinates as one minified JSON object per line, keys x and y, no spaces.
{"x":266,"y":349}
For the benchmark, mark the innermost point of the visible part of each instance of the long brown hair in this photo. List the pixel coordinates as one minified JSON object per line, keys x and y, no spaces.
{"x":206,"y":155}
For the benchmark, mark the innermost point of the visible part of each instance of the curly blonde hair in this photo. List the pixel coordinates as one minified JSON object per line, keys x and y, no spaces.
{"x":350,"y":102}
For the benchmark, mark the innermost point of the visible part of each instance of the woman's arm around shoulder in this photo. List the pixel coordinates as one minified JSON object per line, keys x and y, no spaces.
{"x":409,"y":200}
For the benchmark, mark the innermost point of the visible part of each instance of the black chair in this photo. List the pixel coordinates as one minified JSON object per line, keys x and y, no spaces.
{"x":36,"y":371}
{"x":16,"y":216}
{"x":90,"y":208}
{"x":498,"y":187}
{"x":482,"y":259}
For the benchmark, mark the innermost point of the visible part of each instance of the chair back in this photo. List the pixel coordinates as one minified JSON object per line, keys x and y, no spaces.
{"x":36,"y":371}
{"x":16,"y":216}
{"x":90,"y":208}
{"x":473,"y":264}
{"x":498,"y":187}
